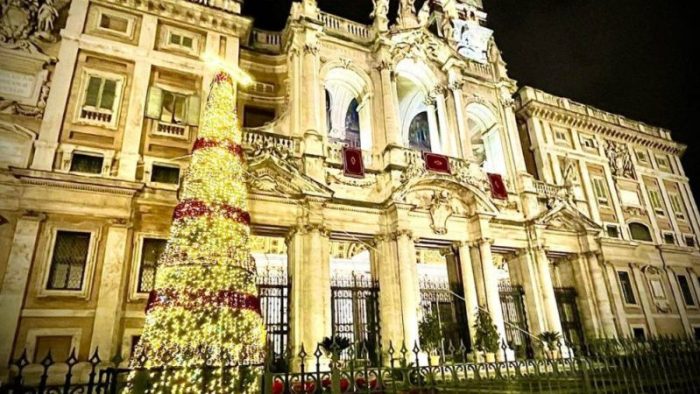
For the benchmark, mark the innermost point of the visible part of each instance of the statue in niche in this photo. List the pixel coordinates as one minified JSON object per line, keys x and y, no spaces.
{"x":620,"y":160}
{"x":25,"y":23}
{"x":380,"y":14}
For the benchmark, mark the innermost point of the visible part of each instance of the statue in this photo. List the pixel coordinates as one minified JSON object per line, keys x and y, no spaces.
{"x":619,"y":160}
{"x":24,"y":23}
{"x":380,"y":14}
{"x":566,"y":193}
{"x":407,"y":17}
{"x":424,"y":14}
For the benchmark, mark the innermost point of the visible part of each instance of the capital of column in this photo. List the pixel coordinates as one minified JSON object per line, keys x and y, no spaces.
{"x":456,"y":86}
{"x":396,"y":235}
{"x":461,"y":244}
{"x":34,"y":216}
{"x":384,"y":65}
{"x":311,"y":49}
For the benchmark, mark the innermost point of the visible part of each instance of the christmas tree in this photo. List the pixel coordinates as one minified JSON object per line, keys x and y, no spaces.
{"x":203,"y":322}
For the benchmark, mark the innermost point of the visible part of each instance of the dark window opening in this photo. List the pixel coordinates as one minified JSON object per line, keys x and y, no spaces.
{"x":669,"y":239}
{"x":640,"y":232}
{"x":135,"y":339}
{"x":150,"y":254}
{"x":690,"y":241}
{"x":165,"y":174}
{"x":68,"y":261}
{"x":257,"y":116}
{"x":626,"y":285}
{"x":685,"y":290}
{"x":89,"y":164}
{"x":419,"y":133}
{"x":639,"y":333}
{"x":612,"y":231}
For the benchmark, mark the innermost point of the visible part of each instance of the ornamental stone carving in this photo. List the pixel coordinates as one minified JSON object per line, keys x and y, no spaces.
{"x":25,"y":23}
{"x":440,"y":210}
{"x":620,"y":160}
{"x":656,"y":286}
{"x":380,"y":14}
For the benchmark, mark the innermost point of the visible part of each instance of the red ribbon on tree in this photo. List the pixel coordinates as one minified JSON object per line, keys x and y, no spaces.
{"x":203,"y":143}
{"x":197,"y":208}
{"x":202,"y":298}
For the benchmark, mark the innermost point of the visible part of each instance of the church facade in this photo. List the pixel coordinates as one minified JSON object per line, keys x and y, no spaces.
{"x":395,"y":171}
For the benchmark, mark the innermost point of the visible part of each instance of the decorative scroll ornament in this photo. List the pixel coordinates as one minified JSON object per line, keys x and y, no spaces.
{"x":620,"y":160}
{"x":25,"y":23}
{"x":440,"y":210}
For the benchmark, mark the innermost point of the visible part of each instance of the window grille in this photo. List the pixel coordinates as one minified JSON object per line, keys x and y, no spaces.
{"x":150,"y":253}
{"x":69,"y":259}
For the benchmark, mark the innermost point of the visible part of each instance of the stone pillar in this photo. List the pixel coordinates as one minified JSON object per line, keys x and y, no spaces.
{"x":409,"y":288}
{"x":308,"y":253}
{"x":447,"y":142}
{"x":609,"y":273}
{"x":512,"y":133}
{"x":607,"y":320}
{"x":588,"y":190}
{"x":678,"y":300}
{"x":644,"y":299}
{"x":311,"y":87}
{"x":52,"y":123}
{"x":386,"y":269}
{"x":549,"y":300}
{"x":585,"y":295}
{"x":533,"y":297}
{"x":465,"y":142}
{"x":108,"y":313}
{"x":491,"y":294}
{"x":538,"y":142}
{"x":14,"y":284}
{"x":390,"y":105}
{"x":131,"y":142}
{"x":470,"y":297}
{"x":435,"y":145}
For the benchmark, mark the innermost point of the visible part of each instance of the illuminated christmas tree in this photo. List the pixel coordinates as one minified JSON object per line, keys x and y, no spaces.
{"x":203,"y":321}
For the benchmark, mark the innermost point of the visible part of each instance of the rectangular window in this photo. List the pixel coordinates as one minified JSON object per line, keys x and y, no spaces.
{"x":689,"y":241}
{"x":560,"y":135}
{"x":100,"y":93}
{"x":601,"y":191}
{"x":642,"y":157}
{"x":638,"y":333}
{"x":174,"y":108}
{"x":87,"y":164}
{"x":676,"y":205}
{"x":165,"y":174}
{"x":685,"y":290}
{"x":655,"y":200}
{"x":114,"y":23}
{"x":181,"y":40}
{"x":257,"y":116}
{"x":151,"y":251}
{"x":135,"y":339}
{"x":627,"y":289}
{"x":663,"y":163}
{"x":669,"y":239}
{"x":696,"y":333}
{"x":612,"y":231}
{"x":588,"y":143}
{"x":68,"y":261}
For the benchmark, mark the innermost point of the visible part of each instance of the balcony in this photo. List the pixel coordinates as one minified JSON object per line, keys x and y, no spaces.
{"x":345,"y":28}
{"x":165,"y":129}
{"x":267,"y":40}
{"x":95,"y":116}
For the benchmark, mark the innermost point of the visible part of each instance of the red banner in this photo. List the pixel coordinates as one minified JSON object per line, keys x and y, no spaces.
{"x":498,"y":187}
{"x":352,"y":162}
{"x":436,"y":163}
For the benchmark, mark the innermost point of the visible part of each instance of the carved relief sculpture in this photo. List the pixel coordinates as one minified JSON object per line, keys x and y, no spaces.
{"x":620,"y":160}
{"x":24,"y":23}
{"x":440,"y":211}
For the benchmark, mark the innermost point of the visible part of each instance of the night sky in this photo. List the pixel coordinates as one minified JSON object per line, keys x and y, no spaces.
{"x":631,"y":57}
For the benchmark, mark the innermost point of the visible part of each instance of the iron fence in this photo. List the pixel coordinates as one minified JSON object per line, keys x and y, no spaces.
{"x":659,"y":365}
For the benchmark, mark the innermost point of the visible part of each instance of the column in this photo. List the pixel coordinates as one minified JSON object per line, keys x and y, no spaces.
{"x":588,"y":190}
{"x":110,"y":298}
{"x":464,"y":139}
{"x":607,"y":320}
{"x":622,"y":328}
{"x":678,"y":299}
{"x":585,"y":296}
{"x":131,"y":141}
{"x":447,"y":141}
{"x":308,"y":253}
{"x":14,"y":284}
{"x":390,"y":105}
{"x":538,"y":141}
{"x":435,"y":145}
{"x":533,"y":297}
{"x":493,"y":298}
{"x":310,"y":83}
{"x":549,"y":300}
{"x":386,"y":269}
{"x":408,"y":281}
{"x":512,"y":134}
{"x":50,"y":130}
{"x":644,"y":299}
{"x":469,"y":283}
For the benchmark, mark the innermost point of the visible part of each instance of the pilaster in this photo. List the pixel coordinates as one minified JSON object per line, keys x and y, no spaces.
{"x":14,"y":284}
{"x":469,"y":283}
{"x":108,"y":313}
{"x":644,"y":299}
{"x":408,"y":282}
{"x":601,"y":295}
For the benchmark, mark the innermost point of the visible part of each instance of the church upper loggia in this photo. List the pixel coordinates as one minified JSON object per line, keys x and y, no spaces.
{"x":395,"y":172}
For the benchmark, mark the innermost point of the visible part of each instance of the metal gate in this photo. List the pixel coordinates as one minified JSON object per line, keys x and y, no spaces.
{"x":569,"y":315}
{"x":513,"y":305}
{"x":273,"y":289}
{"x":355,"y":312}
{"x":437,"y":298}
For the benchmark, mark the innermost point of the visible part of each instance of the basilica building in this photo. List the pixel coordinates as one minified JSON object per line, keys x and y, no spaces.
{"x":395,"y":172}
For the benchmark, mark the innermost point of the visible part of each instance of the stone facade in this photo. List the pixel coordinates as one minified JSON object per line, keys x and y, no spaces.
{"x":102,"y":111}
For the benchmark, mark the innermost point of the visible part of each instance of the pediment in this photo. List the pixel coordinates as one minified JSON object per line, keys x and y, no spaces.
{"x":463,"y":198}
{"x":272,"y":175}
{"x":564,"y":217}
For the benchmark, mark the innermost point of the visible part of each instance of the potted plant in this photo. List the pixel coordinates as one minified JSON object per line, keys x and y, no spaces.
{"x":550,"y":341}
{"x":485,"y":335}
{"x":430,"y":334}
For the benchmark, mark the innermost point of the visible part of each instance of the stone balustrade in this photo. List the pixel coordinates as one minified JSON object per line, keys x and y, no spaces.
{"x":334,"y":156}
{"x":256,"y":139}
{"x":266,"y":40}
{"x":345,"y":27}
{"x":546,"y":190}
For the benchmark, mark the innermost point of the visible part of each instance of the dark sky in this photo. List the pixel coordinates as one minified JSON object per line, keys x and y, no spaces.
{"x":632,"y":57}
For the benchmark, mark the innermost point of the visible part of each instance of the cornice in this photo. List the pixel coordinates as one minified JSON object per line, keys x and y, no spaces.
{"x":77,"y":182}
{"x":586,"y":122}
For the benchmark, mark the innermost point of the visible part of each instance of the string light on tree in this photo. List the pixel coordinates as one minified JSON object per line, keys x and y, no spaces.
{"x":203,"y":321}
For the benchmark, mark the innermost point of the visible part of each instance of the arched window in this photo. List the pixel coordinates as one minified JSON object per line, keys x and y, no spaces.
{"x":485,"y":138}
{"x":419,"y":133}
{"x":640,"y":232}
{"x":348,"y":116}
